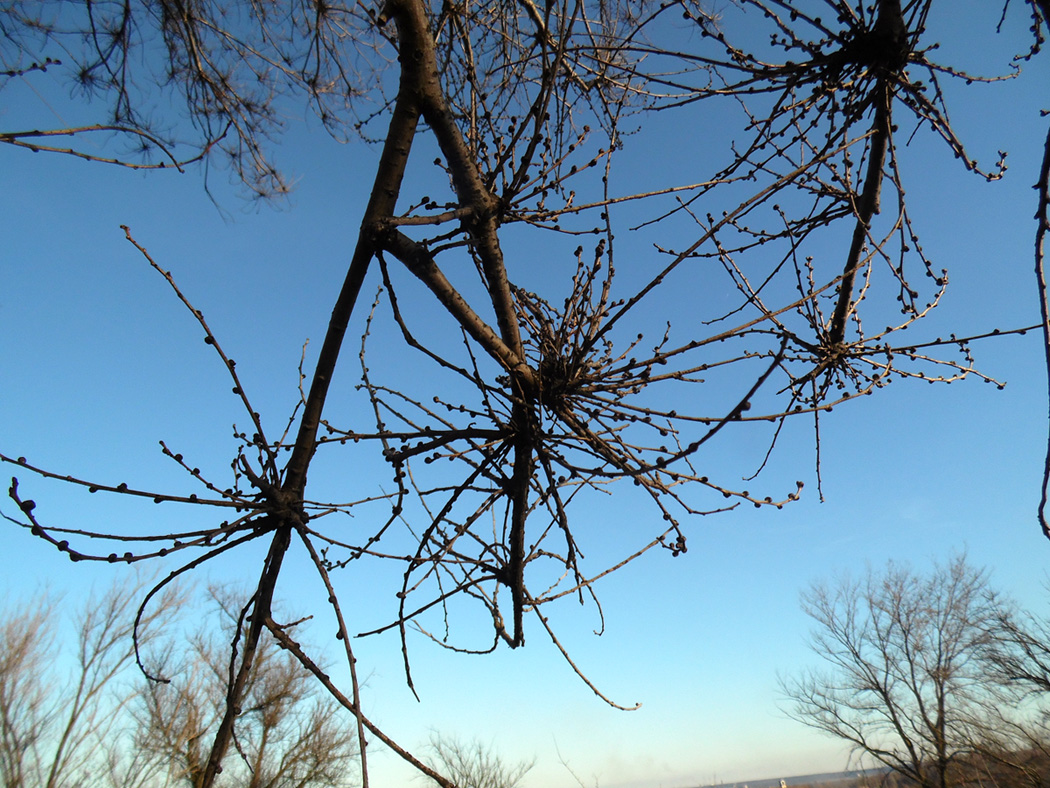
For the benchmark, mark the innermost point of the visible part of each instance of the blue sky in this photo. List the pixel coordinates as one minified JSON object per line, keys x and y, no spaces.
{"x":101,"y":361}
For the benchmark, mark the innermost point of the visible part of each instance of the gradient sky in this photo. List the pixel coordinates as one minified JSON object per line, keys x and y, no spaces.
{"x":100,"y":362}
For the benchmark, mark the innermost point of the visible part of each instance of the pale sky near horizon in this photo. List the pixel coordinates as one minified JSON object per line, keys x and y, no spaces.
{"x":100,"y":362}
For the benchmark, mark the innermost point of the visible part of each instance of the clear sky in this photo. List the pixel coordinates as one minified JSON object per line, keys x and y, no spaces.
{"x":100,"y":362}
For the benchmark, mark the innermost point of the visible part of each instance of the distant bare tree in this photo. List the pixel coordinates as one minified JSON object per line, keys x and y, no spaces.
{"x":1020,"y":746}
{"x":58,"y":729}
{"x":473,"y":764}
{"x":23,"y":646}
{"x":909,"y":678}
{"x":289,"y":734}
{"x":524,"y":405}
{"x":105,"y":724}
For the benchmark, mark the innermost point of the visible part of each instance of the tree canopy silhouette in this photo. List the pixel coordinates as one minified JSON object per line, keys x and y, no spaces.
{"x":909,"y":674}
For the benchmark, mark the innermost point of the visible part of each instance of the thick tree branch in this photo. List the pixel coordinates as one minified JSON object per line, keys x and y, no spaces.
{"x":417,"y":48}
{"x":381,"y":206}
